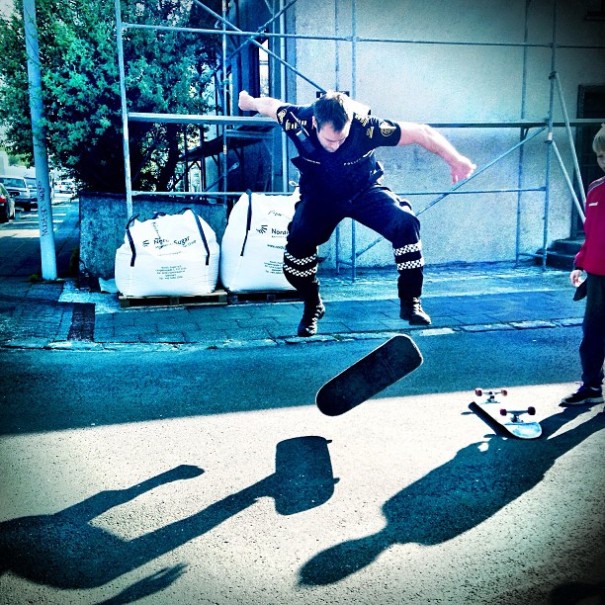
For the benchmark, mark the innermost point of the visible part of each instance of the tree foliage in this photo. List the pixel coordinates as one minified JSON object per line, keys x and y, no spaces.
{"x":167,"y":71}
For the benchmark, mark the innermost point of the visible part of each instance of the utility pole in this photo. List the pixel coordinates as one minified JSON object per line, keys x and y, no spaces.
{"x":45,"y":215}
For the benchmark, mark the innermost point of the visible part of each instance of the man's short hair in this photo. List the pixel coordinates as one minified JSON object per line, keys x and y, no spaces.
{"x":332,"y":108}
{"x":598,"y":143}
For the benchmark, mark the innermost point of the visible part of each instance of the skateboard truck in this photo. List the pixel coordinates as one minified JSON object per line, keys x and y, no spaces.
{"x":491,"y":394}
{"x":516,"y":414}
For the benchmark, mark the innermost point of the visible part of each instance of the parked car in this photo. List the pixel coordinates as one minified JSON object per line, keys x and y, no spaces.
{"x":19,"y":190}
{"x":64,"y":190}
{"x":7,"y":205}
{"x":33,"y":187}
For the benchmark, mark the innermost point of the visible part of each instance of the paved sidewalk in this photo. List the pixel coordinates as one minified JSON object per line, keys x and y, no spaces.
{"x":458,"y":298}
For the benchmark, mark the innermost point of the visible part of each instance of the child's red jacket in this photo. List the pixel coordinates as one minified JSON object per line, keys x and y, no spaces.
{"x":591,"y":256}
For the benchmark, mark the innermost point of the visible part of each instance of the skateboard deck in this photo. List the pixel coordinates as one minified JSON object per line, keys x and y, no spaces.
{"x":385,"y":365}
{"x":511,"y":422}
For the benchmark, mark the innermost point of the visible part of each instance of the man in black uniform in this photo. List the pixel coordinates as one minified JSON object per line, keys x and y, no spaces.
{"x":340,"y":177}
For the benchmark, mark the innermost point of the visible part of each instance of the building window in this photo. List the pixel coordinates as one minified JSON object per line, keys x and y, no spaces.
{"x":263,"y":69}
{"x":258,"y":58}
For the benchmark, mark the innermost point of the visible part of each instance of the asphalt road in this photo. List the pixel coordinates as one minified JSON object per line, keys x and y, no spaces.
{"x":55,"y":390}
{"x":208,"y":476}
{"x":19,"y":241}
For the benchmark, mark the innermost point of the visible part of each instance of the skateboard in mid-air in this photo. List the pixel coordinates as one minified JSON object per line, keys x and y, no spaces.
{"x":508,"y":421}
{"x":385,"y":365}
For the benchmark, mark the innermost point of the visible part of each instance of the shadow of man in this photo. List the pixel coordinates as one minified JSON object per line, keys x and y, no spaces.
{"x":65,"y":551}
{"x":478,"y":482}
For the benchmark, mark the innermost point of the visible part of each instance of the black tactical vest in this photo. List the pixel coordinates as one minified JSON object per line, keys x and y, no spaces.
{"x":339,"y":175}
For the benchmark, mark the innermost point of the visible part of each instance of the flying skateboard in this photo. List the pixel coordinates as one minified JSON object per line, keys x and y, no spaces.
{"x":391,"y":361}
{"x":509,"y":422}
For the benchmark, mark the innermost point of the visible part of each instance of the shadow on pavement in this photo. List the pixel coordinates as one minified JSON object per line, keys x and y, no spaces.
{"x":66,"y":551}
{"x":455,"y":497}
{"x":576,"y":593}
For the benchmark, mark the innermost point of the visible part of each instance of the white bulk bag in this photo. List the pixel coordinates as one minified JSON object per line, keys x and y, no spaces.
{"x":168,"y":255}
{"x":252,"y":248}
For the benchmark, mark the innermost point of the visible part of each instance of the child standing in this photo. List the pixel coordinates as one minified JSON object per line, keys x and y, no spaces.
{"x":591,"y":260}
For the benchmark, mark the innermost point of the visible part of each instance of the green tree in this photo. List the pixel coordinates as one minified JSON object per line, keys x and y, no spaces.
{"x":167,"y":71}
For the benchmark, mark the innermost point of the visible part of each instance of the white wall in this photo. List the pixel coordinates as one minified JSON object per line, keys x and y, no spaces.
{"x":479,"y":80}
{"x":3,"y":161}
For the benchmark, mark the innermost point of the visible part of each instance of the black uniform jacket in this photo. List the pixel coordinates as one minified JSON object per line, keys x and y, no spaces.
{"x":349,"y":170}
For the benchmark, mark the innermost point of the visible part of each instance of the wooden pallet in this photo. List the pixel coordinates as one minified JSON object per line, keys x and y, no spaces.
{"x":263,"y":296}
{"x":218,"y":297}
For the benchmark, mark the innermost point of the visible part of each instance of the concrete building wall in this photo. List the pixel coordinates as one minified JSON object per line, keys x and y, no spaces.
{"x":485,"y":74}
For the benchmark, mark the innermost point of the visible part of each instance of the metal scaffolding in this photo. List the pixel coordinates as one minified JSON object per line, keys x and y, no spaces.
{"x":233,"y":127}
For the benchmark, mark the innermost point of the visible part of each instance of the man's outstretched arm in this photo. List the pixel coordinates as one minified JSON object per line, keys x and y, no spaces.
{"x":266,"y":106}
{"x":429,"y":138}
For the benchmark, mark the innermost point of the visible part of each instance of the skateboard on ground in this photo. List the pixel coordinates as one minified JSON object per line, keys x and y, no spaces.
{"x":508,"y":421}
{"x":391,"y":361}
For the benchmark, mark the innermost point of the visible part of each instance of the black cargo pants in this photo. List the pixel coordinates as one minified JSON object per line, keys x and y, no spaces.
{"x":592,"y":347}
{"x":377,"y":208}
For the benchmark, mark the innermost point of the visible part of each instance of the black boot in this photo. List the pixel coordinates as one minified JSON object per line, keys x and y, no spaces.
{"x":314,"y":311}
{"x":412,"y":311}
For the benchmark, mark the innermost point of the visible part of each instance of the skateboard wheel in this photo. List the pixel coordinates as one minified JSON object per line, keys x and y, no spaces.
{"x":479,"y":392}
{"x":531,"y":410}
{"x":503,"y":412}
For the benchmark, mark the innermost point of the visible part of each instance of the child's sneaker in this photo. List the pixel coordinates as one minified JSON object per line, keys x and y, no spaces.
{"x":584,"y":395}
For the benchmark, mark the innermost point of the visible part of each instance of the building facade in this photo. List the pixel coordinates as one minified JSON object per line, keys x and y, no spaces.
{"x":517,"y":86}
